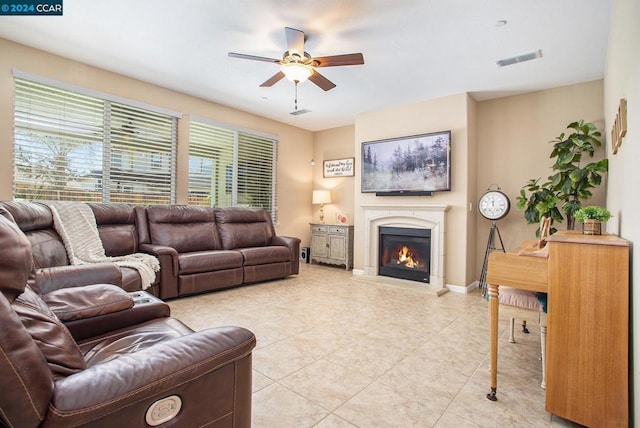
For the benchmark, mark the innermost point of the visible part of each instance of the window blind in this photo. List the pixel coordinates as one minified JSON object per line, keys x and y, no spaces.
{"x":142,"y":160}
{"x":231,"y":168}
{"x":71,"y":146}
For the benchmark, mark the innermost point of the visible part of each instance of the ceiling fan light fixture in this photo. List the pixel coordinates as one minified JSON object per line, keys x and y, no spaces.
{"x":296,"y":71}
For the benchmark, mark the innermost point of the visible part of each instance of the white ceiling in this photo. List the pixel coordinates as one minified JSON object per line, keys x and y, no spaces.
{"x":413,"y":49}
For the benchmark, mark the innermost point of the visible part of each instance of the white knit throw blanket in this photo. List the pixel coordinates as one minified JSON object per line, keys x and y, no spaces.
{"x":76,"y":225}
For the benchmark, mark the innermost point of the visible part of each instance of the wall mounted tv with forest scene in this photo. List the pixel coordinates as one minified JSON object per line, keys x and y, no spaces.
{"x":415,"y":165}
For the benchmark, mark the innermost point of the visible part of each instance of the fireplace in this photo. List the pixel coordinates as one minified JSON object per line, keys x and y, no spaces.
{"x":404,"y":253}
{"x":424,"y":216}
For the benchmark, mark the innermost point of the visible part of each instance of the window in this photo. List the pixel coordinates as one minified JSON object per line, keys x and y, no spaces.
{"x":231,"y":167}
{"x":69,"y":145}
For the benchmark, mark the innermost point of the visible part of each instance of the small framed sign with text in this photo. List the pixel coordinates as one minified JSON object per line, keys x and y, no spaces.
{"x":338,"y":168}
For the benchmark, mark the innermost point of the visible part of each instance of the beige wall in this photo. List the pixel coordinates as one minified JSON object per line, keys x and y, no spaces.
{"x":503,"y":141}
{"x":448,"y":113}
{"x":294,"y":177}
{"x":513,"y":147}
{"x":622,"y":80}
{"x":336,"y":143}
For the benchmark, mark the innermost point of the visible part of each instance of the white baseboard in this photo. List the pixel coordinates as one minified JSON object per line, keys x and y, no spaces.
{"x":462,"y":289}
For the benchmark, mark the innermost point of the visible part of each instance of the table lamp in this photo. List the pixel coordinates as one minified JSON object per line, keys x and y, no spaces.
{"x":321,"y":197}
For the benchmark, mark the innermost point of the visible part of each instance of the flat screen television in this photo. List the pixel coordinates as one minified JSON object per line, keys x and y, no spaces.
{"x":418,"y":165}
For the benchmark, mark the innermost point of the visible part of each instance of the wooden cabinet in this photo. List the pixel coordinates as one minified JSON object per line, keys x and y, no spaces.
{"x":332,"y":244}
{"x":588,"y":329}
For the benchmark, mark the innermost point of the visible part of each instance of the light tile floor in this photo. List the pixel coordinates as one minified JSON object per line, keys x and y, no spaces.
{"x":333,"y":351}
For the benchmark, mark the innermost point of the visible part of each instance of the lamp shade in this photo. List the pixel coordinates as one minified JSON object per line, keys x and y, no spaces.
{"x":296,"y":71}
{"x":321,"y":197}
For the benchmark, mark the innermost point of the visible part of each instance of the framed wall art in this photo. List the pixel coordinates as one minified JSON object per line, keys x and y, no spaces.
{"x":338,"y":168}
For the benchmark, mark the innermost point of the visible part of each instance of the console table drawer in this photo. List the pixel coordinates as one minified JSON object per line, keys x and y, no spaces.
{"x":319,"y":228}
{"x":338,"y":229}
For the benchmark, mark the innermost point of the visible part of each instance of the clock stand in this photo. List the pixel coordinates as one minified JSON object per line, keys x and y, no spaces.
{"x":491,"y":246}
{"x":493,"y":205}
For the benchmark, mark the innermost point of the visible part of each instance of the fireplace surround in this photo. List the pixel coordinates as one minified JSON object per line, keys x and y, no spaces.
{"x":430,"y":217}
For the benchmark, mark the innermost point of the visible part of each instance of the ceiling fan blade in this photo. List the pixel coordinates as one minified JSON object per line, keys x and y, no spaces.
{"x":321,"y":81}
{"x":339,"y":60}
{"x":253,"y":57}
{"x":273,"y":80}
{"x":295,"y":41}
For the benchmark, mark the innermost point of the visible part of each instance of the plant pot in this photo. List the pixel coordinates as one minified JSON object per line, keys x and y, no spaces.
{"x":591,"y":227}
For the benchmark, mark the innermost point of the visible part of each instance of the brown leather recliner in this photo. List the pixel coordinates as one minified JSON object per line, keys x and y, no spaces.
{"x":198,"y":261}
{"x":158,"y":373}
{"x":265,"y":255}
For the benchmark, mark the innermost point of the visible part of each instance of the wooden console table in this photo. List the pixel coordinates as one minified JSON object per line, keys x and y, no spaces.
{"x":587,"y":281}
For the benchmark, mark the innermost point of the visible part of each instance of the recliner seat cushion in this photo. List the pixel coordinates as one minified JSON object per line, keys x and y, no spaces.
{"x":265,"y":255}
{"x":208,"y":261}
{"x":101,"y":349}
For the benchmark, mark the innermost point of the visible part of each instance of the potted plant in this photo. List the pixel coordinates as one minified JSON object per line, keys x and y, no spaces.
{"x":592,"y":218}
{"x":572,"y":180}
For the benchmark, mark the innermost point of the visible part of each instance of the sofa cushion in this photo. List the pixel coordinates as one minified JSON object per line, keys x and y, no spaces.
{"x":36,"y":221}
{"x":265,"y":255}
{"x":30,"y":215}
{"x":51,"y":336}
{"x":184,"y":228}
{"x":243,"y":227}
{"x":117,"y":228}
{"x":48,"y":249}
{"x":207,"y":261}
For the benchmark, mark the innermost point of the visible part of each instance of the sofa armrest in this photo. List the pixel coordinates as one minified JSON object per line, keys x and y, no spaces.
{"x":294,"y":247}
{"x":88,"y":301}
{"x":162,"y":250}
{"x":169,"y":268}
{"x":146,"y":307}
{"x":54,"y":278}
{"x":209,"y":370}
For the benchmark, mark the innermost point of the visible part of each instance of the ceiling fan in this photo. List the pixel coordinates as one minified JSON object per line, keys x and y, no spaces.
{"x":298,"y":66}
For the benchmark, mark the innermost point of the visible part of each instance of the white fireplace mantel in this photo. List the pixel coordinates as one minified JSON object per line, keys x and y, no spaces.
{"x":414,"y":216}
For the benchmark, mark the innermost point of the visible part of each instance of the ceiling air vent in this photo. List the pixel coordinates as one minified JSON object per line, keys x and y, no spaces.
{"x":299,"y":112}
{"x":520,"y":58}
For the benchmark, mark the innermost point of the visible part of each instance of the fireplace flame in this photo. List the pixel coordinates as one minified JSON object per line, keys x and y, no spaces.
{"x":406,"y":258}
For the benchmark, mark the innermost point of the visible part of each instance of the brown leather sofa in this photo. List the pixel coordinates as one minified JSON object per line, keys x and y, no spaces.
{"x":155,"y":373}
{"x":51,"y":263}
{"x":213,"y":249}
{"x":199,"y":249}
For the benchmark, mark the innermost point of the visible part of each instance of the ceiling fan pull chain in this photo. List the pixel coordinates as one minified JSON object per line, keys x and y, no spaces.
{"x":295,"y":101}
